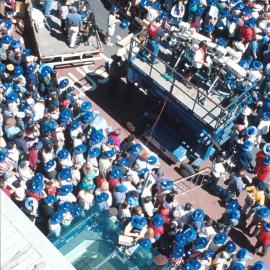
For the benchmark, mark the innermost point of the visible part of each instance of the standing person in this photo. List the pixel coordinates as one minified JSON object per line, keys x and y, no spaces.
{"x":263,"y":239}
{"x":47,"y":7}
{"x":73,"y":24}
{"x":111,"y":25}
{"x":63,"y":12}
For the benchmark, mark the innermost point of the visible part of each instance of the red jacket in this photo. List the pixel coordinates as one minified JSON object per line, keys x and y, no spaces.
{"x":247,"y":33}
{"x":259,"y":159}
{"x":264,"y":236}
{"x":33,"y":158}
{"x":262,"y":172}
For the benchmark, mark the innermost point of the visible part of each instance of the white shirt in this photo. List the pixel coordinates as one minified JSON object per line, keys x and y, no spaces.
{"x":217,"y":169}
{"x":38,"y":111}
{"x":85,"y":198}
{"x":254,"y":75}
{"x":67,"y":198}
{"x":152,"y":14}
{"x":25,"y":173}
{"x":198,"y":59}
{"x":111,"y":21}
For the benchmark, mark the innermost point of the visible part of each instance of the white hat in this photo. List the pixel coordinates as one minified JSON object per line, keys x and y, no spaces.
{"x":239,"y":46}
{"x":257,"y":8}
{"x":247,"y":111}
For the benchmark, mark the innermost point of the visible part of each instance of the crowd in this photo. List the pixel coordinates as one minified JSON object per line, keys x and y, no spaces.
{"x":58,"y":156}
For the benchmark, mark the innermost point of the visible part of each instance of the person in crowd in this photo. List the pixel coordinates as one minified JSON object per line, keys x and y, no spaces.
{"x":263,"y":239}
{"x":111,"y":25}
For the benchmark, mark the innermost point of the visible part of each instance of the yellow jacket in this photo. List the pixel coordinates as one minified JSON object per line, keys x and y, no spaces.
{"x":259,"y":195}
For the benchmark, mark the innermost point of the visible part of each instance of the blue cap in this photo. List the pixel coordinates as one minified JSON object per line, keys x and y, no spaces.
{"x":38,"y":177}
{"x":157,"y":5}
{"x":266,"y":149}
{"x":121,"y":188}
{"x":247,"y":146}
{"x":142,"y":171}
{"x":94,"y":152}
{"x":209,"y":28}
{"x":31,"y":68}
{"x":251,"y":131}
{"x":49,"y":164}
{"x":146,"y":243}
{"x":65,"y":189}
{"x":8,"y":24}
{"x":259,"y":265}
{"x":242,"y":254}
{"x":80,"y":149}
{"x":51,"y":199}
{"x":52,"y":125}
{"x":115,"y":174}
{"x":15,"y":43}
{"x":87,"y":117}
{"x":124,"y":24}
{"x":6,"y":39}
{"x":267,"y":226}
{"x":77,"y":210}
{"x":212,"y":2}
{"x":65,"y":207}
{"x":232,"y":204}
{"x":220,"y":238}
{"x":56,"y":217}
{"x":138,"y":222}
{"x":247,"y":11}
{"x":135,"y":149}
{"x":26,"y":52}
{"x":158,"y":220}
{"x":12,"y":97}
{"x":257,"y":65}
{"x":230,"y":247}
{"x":266,"y":116}
{"x":3,"y":153}
{"x":152,"y":160}
{"x":190,"y":234}
{"x":200,"y":243}
{"x":122,"y":162}
{"x":233,"y":18}
{"x":86,"y":106}
{"x":234,"y":214}
{"x":108,"y":154}
{"x":74,"y":125}
{"x":102,"y":197}
{"x":177,"y":252}
{"x":195,"y":264}
{"x":263,"y":212}
{"x":65,"y":173}
{"x":96,"y":136}
{"x":114,"y":8}
{"x":62,"y":154}
{"x":180,"y":239}
{"x":166,"y":184}
{"x":197,"y":215}
{"x":63,"y":83}
{"x":46,"y":70}
{"x":239,"y":6}
{"x":250,"y":22}
{"x":2,"y":67}
{"x":144,"y":3}
{"x":224,"y":12}
{"x":37,"y":187}
{"x":222,"y":42}
{"x":266,"y":160}
{"x":65,"y":115}
{"x":238,"y":266}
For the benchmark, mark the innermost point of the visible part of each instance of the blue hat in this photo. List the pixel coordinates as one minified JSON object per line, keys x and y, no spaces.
{"x":144,"y":3}
{"x":190,"y":234}
{"x":222,"y":42}
{"x":166,"y":184}
{"x":232,"y":204}
{"x":80,"y":149}
{"x":3,"y":153}
{"x":86,"y":106}
{"x":52,"y":125}
{"x":209,"y":28}
{"x":124,"y":24}
{"x":224,"y":12}
{"x":234,"y":214}
{"x":56,"y":217}
{"x":220,"y":238}
{"x":135,"y":149}
{"x":259,"y":265}
{"x":266,"y":116}
{"x":257,"y":65}
{"x":152,"y":160}
{"x":180,"y":239}
{"x":65,"y":173}
{"x":247,"y":11}
{"x":46,"y":70}
{"x":197,"y":215}
{"x":267,"y":226}
{"x":26,"y":52}
{"x":200,"y":243}
{"x":234,"y":18}
{"x":263,"y":212}
{"x":247,"y":146}
{"x":7,"y":85}
{"x":200,"y":11}
{"x":251,"y":131}
{"x":77,"y":210}
{"x":177,"y":252}
{"x":158,"y":220}
{"x":6,"y":39}
{"x":238,"y":266}
{"x":195,"y":264}
{"x":8,"y":24}
{"x":65,"y":207}
{"x":51,"y":199}
{"x":266,"y":160}
{"x":138,"y":222}
{"x":65,"y":189}
{"x":108,"y":154}
{"x":262,"y":186}
{"x":31,"y":68}
{"x":164,"y":14}
{"x":157,"y":5}
{"x":12,"y":97}
{"x":121,"y":188}
{"x":102,"y":197}
{"x":115,"y":174}
{"x":212,"y":2}
{"x":239,"y":6}
{"x":96,"y":136}
{"x":62,"y":154}
{"x":87,"y":117}
{"x":230,"y":247}
{"x":15,"y":43}
{"x":38,"y":177}
{"x":142,"y":171}
{"x":266,"y":149}
{"x":74,"y":125}
{"x":49,"y":164}
{"x":146,"y":243}
{"x":242,"y":254}
{"x":94,"y":152}
{"x":114,"y":8}
{"x":122,"y":162}
{"x":63,"y":83}
{"x":250,"y":22}
{"x":2,"y":67}
{"x":37,"y":187}
{"x":65,"y":115}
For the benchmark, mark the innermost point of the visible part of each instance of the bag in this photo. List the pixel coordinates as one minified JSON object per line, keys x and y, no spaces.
{"x":126,"y":241}
{"x":152,"y":30}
